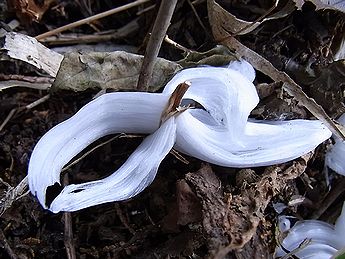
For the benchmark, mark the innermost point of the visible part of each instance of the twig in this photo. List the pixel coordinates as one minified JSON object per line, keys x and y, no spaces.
{"x":90,"y":19}
{"x":16,"y":83}
{"x":31,"y":79}
{"x":149,"y":8}
{"x":90,"y":151}
{"x":68,"y":235}
{"x":7,"y":247}
{"x":196,"y":2}
{"x":16,"y":111}
{"x":7,"y":119}
{"x":176,"y":45}
{"x":120,"y":33}
{"x":124,"y":219}
{"x":159,"y":30}
{"x":37,"y":102}
{"x":258,"y":19}
{"x":197,"y":16}
{"x":13,"y":194}
{"x":333,"y":194}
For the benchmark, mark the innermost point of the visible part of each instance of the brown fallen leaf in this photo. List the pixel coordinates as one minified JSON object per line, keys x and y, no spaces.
{"x":260,"y":63}
{"x":231,"y":222}
{"x":117,"y":70}
{"x":237,"y":26}
{"x":30,"y":10}
{"x":217,"y":56}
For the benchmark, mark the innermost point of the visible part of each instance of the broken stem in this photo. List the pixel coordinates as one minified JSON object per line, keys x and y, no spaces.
{"x":159,"y":30}
{"x":174,"y":101}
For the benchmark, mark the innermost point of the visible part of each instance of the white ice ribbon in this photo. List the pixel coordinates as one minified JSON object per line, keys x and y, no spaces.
{"x":324,"y":239}
{"x":335,"y":156}
{"x":220,"y":134}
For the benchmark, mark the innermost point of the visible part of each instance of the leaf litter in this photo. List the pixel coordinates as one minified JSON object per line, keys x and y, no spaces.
{"x":235,"y":220}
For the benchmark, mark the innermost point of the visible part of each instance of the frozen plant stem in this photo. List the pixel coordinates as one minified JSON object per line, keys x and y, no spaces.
{"x":159,"y":30}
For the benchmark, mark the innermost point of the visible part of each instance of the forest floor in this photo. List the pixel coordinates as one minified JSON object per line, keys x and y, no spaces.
{"x":192,"y":209}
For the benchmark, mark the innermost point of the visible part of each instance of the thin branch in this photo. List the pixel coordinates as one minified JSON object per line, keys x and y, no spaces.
{"x":90,"y":19}
{"x":120,"y":33}
{"x":7,"y":119}
{"x":68,"y":237}
{"x":13,"y":194}
{"x":6,"y":246}
{"x":37,"y":102}
{"x":176,"y":45}
{"x":334,"y":193}
{"x":159,"y":30}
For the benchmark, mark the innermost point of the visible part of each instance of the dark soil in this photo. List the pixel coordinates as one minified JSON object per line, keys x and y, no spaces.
{"x":179,"y":215}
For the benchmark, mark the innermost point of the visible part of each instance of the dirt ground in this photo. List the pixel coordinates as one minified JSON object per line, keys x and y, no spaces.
{"x":192,"y":209}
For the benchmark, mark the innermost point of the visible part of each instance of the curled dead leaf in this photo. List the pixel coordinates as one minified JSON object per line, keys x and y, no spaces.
{"x":237,"y":26}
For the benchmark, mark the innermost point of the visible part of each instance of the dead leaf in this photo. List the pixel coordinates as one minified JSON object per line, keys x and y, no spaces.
{"x":117,"y":70}
{"x":231,"y":222}
{"x":217,"y":56}
{"x":260,"y":63}
{"x":174,"y":102}
{"x":237,"y":26}
{"x":30,"y":10}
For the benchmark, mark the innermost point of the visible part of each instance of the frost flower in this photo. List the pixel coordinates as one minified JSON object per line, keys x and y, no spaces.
{"x":323,"y":240}
{"x":335,"y":156}
{"x":219,"y":132}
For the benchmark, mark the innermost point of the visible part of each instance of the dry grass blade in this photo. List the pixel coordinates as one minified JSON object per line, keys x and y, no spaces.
{"x":89,"y":19}
{"x":263,"y":65}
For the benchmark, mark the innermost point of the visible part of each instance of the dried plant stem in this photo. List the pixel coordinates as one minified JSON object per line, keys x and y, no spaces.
{"x":70,"y":38}
{"x":90,"y":19}
{"x":176,"y":45}
{"x":37,"y":102}
{"x":6,"y":246}
{"x":197,"y":16}
{"x":334,"y":193}
{"x":7,"y":119}
{"x":263,"y":65}
{"x":159,"y":30}
{"x":13,"y":194}
{"x":69,"y":240}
